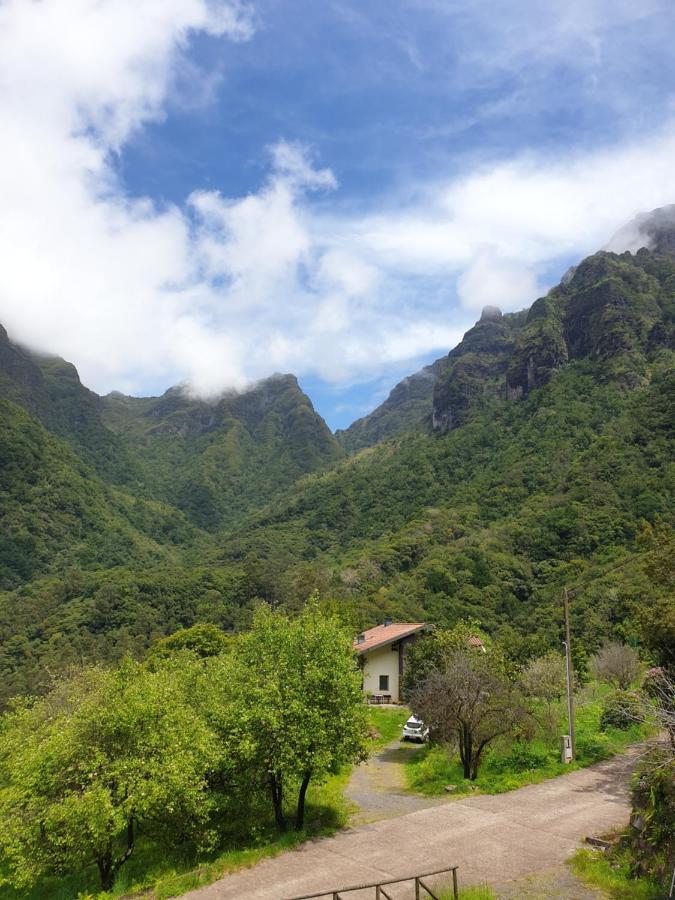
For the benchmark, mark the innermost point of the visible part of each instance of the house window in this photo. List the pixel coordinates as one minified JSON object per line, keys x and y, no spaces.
{"x":384,"y":682}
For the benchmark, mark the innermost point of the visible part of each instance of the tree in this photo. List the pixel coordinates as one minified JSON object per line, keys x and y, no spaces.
{"x":468,"y":702}
{"x":431,"y":651}
{"x":203,"y":640}
{"x":617,"y":664}
{"x":293,"y":694}
{"x":544,"y":681}
{"x":105,"y":754}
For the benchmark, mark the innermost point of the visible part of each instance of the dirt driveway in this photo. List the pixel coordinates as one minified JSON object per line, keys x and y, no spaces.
{"x":492,"y":839}
{"x":378,"y":788}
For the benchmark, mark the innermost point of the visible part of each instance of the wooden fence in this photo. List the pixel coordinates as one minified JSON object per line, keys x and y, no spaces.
{"x":380,"y":887}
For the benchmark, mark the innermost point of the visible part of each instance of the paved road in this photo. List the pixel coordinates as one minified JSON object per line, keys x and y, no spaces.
{"x":491,"y":838}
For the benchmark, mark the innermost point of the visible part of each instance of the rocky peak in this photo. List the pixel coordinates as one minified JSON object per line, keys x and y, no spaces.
{"x":490,"y":313}
{"x":475,"y":370}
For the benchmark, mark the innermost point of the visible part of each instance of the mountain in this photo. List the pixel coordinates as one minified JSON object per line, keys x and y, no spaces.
{"x":217,"y":460}
{"x":49,"y":388}
{"x":475,"y":371}
{"x":537,"y":455}
{"x":407,"y":407}
{"x":58,"y":513}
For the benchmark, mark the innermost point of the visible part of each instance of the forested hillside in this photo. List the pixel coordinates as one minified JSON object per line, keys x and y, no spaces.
{"x":218,"y":460}
{"x":538,"y":454}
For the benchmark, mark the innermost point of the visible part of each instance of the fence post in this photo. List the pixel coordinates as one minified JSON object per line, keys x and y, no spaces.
{"x":455,"y":889}
{"x":417,"y":889}
{"x":378,"y":895}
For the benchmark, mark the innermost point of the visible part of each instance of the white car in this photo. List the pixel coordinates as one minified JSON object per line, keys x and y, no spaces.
{"x":415,"y":730}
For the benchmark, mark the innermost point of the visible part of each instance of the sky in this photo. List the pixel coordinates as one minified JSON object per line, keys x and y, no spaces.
{"x":209,"y":191}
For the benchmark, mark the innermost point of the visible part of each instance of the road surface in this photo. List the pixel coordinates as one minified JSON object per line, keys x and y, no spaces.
{"x":492,"y":838}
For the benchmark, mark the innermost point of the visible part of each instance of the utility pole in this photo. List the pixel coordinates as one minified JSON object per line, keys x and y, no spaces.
{"x":568,"y":666}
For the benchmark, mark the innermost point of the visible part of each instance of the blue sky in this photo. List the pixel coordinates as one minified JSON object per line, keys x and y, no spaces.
{"x":208,"y":192}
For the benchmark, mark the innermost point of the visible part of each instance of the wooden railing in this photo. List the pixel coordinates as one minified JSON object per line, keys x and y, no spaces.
{"x":382,"y":894}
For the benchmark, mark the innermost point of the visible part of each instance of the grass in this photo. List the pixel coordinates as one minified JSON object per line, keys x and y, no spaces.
{"x":612,"y":875}
{"x":387,"y":723}
{"x":507,"y":765}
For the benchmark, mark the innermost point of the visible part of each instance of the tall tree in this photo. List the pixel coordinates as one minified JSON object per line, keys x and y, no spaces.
{"x":295,"y":704}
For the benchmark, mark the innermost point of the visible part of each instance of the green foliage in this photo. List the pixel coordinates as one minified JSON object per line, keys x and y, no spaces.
{"x":287,"y":704}
{"x":106,"y":753}
{"x":620,"y":709}
{"x":531,"y":757}
{"x":569,"y":485}
{"x":58,"y":513}
{"x":612,"y":874}
{"x":202,"y":640}
{"x":434,"y":650}
{"x":216,"y":461}
{"x":651,"y":834}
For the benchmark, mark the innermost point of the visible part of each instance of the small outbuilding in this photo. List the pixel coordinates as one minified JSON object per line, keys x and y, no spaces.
{"x":381,"y":651}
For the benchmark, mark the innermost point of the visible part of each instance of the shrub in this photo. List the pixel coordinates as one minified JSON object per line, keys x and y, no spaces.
{"x":616,"y":664}
{"x":620,"y":710}
{"x":521,"y":758}
{"x":651,"y":833}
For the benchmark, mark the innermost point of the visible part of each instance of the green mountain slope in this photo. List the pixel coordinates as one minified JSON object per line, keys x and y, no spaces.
{"x":552,"y":458}
{"x":538,"y":455}
{"x":49,"y":388}
{"x":57,"y":513}
{"x":218,"y":460}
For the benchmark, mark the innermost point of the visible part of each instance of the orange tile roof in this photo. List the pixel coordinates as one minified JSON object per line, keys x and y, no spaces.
{"x":385,"y":634}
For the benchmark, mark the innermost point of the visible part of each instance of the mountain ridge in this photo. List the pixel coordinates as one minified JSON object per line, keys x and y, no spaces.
{"x":550,"y":465}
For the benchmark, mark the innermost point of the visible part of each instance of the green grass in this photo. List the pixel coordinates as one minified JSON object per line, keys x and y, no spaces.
{"x":612,"y":875}
{"x":507,"y":766}
{"x":387,"y":723}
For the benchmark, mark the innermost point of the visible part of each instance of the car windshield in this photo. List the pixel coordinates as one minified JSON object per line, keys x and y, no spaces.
{"x":413,"y":723}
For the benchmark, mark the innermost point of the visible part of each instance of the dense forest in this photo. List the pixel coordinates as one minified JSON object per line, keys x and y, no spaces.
{"x":537,"y":455}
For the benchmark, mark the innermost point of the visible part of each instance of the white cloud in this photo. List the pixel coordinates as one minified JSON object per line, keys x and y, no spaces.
{"x":224,"y":290}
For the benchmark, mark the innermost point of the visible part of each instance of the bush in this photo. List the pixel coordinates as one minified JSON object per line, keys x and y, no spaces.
{"x":616,"y":664}
{"x":620,"y":710}
{"x":651,"y":833}
{"x":521,"y":758}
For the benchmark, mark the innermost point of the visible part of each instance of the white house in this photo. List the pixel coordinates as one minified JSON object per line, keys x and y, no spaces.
{"x":381,"y":652}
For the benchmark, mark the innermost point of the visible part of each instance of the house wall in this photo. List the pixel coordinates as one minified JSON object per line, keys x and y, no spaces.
{"x":381,"y":661}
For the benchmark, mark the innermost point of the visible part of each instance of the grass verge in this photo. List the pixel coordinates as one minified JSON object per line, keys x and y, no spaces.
{"x":507,"y":766}
{"x":387,"y":723}
{"x":612,"y":875}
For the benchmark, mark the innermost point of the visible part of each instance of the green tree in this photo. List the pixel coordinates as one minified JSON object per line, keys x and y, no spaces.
{"x":203,"y":640}
{"x":105,"y":754}
{"x":295,"y":704}
{"x":544,"y":682}
{"x":432,"y":651}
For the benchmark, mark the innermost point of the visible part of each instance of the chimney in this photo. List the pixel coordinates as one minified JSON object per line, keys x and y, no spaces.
{"x":387,"y":621}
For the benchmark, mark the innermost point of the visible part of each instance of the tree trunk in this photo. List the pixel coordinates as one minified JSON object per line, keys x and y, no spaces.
{"x":276,"y":790}
{"x":465,"y":751}
{"x":300,"y":813}
{"x":104,"y":864}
